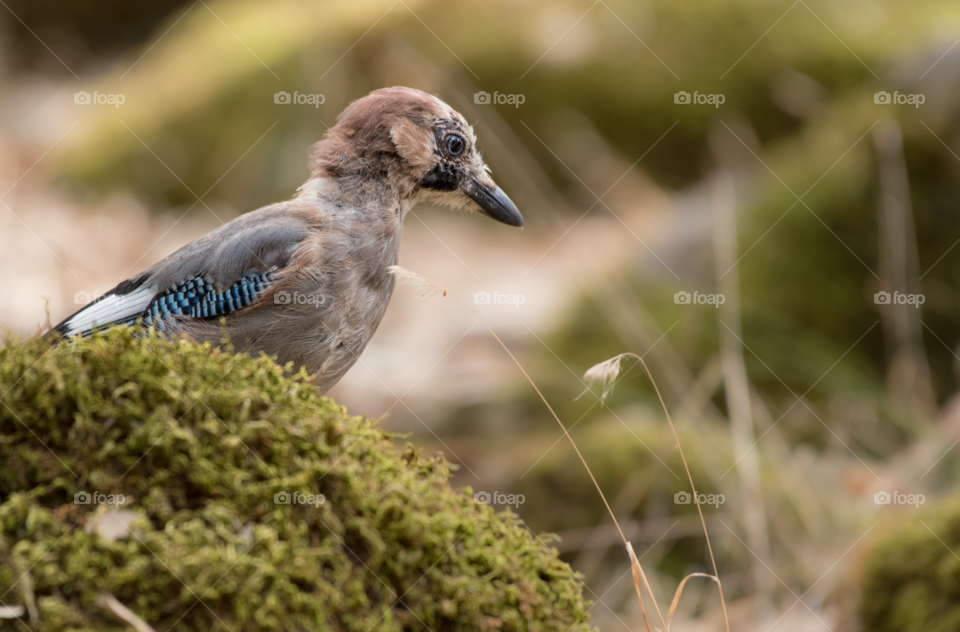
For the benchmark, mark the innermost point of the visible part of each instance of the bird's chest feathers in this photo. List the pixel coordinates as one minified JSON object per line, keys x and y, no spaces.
{"x":347,"y":261}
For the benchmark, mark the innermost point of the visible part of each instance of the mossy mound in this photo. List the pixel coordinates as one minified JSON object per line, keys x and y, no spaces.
{"x":198,"y":442}
{"x":912,"y":581}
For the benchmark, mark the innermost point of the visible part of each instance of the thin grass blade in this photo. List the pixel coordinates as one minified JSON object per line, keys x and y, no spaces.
{"x":676,"y":595}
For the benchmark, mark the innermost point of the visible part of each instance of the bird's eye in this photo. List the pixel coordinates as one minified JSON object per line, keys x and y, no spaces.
{"x":455,"y":145}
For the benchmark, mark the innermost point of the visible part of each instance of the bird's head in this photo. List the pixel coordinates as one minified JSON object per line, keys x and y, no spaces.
{"x":417,"y":145}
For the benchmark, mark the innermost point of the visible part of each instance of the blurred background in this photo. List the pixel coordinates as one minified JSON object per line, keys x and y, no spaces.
{"x":757,"y":197}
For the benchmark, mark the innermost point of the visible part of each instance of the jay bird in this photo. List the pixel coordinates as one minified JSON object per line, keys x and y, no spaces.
{"x":306,"y":280}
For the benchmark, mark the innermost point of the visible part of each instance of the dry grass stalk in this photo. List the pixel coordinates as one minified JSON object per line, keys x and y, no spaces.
{"x":120,"y":611}
{"x":608,"y":371}
{"x":736,"y":386}
{"x":639,"y":575}
{"x":606,"y":374}
{"x":676,"y":595}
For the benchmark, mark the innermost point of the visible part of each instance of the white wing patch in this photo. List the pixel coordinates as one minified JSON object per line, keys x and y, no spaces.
{"x":111,"y":309}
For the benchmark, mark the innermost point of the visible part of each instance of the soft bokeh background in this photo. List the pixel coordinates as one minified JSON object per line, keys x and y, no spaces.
{"x":798,"y":198}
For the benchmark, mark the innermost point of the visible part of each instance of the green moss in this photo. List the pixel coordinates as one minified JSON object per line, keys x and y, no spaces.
{"x":912,"y":581}
{"x":199,"y":441}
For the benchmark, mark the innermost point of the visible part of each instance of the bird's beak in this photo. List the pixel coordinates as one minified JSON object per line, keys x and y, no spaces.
{"x":492,"y":201}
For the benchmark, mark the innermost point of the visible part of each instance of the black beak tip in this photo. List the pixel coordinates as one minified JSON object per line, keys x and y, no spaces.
{"x":495,"y":204}
{"x":505,"y":212}
{"x":512,"y":218}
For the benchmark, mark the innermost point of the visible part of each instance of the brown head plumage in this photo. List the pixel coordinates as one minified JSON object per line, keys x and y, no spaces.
{"x":417,"y":145}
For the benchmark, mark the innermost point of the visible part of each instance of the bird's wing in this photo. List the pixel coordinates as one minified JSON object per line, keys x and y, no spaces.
{"x":219,"y":274}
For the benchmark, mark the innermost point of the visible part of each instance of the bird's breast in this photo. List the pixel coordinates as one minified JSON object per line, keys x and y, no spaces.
{"x":353,"y":287}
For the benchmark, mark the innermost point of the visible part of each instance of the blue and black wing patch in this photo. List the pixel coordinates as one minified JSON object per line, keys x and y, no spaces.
{"x":197,"y":298}
{"x":136,"y":301}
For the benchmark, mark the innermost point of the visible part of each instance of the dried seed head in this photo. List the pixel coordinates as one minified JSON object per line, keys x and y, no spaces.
{"x":424,"y":287}
{"x":605,"y":374}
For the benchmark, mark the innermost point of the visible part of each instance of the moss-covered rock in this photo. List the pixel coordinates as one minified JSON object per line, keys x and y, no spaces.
{"x":912,"y":581}
{"x":198,"y":442}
